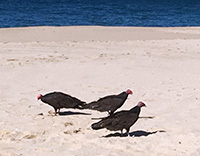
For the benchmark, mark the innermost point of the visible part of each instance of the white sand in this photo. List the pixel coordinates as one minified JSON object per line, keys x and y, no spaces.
{"x":160,"y":65}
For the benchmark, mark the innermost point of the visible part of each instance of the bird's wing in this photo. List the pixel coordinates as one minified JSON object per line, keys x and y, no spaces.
{"x":52,"y":99}
{"x":107,"y":97}
{"x":68,"y":101}
{"x":120,"y":120}
{"x":106,"y":104}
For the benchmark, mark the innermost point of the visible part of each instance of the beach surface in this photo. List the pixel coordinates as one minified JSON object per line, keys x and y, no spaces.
{"x":160,"y":65}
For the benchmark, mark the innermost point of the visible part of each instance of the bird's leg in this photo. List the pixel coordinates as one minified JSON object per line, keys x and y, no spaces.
{"x":127,"y":131}
{"x":55,"y":111}
{"x":110,"y":112}
{"x":121,"y":132}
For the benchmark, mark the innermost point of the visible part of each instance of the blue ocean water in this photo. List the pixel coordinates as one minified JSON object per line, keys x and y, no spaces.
{"x":154,"y":13}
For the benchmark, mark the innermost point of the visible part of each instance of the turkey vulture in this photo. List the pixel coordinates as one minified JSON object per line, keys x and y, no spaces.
{"x":109,"y":103}
{"x":120,"y":120}
{"x":60,"y":100}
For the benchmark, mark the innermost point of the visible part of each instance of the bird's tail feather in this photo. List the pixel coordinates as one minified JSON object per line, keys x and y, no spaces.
{"x":100,"y":118}
{"x":96,"y":126}
{"x":89,"y":105}
{"x":81,"y":105}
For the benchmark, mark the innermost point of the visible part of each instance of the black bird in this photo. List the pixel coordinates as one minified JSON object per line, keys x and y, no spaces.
{"x":60,"y":100}
{"x":120,"y":120}
{"x":109,"y":103}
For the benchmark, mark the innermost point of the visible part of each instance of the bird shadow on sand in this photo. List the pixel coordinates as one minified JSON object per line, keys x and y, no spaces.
{"x":138,"y":133}
{"x":146,"y":117}
{"x":72,"y":113}
{"x":142,"y":117}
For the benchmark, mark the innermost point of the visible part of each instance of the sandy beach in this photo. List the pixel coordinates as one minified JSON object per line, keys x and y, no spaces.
{"x":160,"y":66}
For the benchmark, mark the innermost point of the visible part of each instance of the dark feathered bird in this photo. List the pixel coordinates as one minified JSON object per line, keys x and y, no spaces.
{"x":60,"y":100}
{"x":120,"y":120}
{"x":109,"y":103}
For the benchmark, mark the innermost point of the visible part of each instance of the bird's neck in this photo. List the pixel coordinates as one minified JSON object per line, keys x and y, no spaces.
{"x":123,"y":94}
{"x":136,"y":110}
